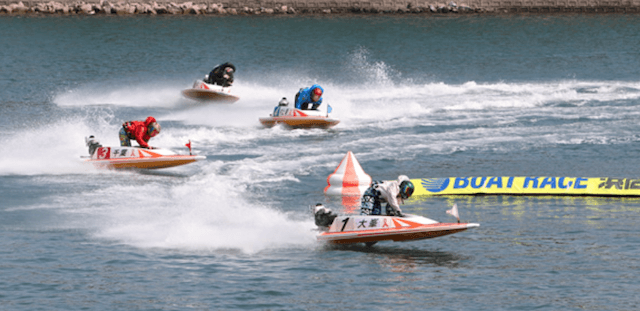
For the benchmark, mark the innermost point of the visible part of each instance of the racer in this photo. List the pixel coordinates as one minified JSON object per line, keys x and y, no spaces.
{"x":309,"y":98}
{"x":323,"y":216}
{"x":92,"y":143}
{"x":140,"y":131}
{"x":386,"y":192}
{"x":221,"y":75}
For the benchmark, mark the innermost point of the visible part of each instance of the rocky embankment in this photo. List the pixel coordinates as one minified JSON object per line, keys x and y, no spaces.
{"x":127,"y":8}
{"x":253,"y":7}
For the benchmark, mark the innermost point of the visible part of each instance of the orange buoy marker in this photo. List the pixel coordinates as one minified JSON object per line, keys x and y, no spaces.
{"x":349,"y":179}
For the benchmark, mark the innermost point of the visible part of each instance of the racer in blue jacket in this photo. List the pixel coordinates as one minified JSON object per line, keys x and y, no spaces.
{"x":309,"y":98}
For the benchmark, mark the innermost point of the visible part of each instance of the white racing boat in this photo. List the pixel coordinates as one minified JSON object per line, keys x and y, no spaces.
{"x":297,"y":118}
{"x":136,"y":157}
{"x":203,"y":91}
{"x":370,"y":229}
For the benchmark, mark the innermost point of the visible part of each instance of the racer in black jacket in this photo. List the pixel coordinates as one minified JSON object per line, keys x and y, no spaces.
{"x":221,"y":75}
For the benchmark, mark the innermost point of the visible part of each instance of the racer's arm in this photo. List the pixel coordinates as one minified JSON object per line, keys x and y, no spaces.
{"x":317,"y":104}
{"x":390,"y":192}
{"x":230,"y":79}
{"x":139,"y":134}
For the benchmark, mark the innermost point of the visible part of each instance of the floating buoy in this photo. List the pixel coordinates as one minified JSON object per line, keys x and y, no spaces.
{"x":349,"y":179}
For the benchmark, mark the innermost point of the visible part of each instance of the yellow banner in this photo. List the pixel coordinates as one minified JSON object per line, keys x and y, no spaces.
{"x":511,"y":185}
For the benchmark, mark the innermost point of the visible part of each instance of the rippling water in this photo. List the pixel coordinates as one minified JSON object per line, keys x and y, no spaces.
{"x":553,"y":95}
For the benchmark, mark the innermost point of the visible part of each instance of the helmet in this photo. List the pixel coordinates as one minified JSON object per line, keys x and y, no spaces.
{"x":406,"y":189}
{"x":91,"y":140}
{"x":317,"y":91}
{"x":154,"y":129}
{"x":283,"y":102}
{"x":323,"y":216}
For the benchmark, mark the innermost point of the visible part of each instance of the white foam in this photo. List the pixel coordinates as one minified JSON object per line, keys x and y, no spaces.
{"x":143,"y":94}
{"x":207,"y":212}
{"x":50,"y":149}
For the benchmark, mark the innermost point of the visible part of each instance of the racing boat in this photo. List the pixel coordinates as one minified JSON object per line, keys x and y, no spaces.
{"x":297,"y":118}
{"x":136,"y":157}
{"x":370,"y":229}
{"x":203,"y":91}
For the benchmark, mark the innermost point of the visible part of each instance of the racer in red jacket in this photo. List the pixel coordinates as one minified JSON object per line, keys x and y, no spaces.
{"x":140,"y":131}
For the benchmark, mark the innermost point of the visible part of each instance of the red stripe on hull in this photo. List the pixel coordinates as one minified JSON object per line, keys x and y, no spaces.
{"x":152,"y":163}
{"x":300,"y":122}
{"x":397,"y":235}
{"x":412,"y":236}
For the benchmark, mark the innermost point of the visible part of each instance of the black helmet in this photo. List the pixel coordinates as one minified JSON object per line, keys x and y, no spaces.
{"x":406,"y":189}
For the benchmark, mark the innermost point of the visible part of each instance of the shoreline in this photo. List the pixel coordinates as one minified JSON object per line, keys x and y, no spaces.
{"x":293,"y":7}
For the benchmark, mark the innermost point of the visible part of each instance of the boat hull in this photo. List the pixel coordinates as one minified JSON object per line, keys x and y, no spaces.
{"x":300,"y":122}
{"x":149,"y":164}
{"x":371,"y":229}
{"x":202,"y":91}
{"x":298,"y":119}
{"x":139,"y":158}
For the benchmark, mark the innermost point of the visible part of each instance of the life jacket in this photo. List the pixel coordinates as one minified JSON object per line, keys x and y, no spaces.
{"x":128,"y":128}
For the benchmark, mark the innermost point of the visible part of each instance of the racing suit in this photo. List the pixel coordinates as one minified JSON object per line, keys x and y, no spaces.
{"x":222,"y":75}
{"x":137,"y":130}
{"x":303,"y":98}
{"x":382,"y":192}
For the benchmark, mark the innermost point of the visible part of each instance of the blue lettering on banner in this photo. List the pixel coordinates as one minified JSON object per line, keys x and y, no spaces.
{"x":548,"y":181}
{"x":476,"y":185}
{"x":561,"y":184}
{"x":530,"y":179}
{"x":496,"y":180}
{"x":435,"y":184}
{"x":460,"y":182}
{"x":578,"y":181}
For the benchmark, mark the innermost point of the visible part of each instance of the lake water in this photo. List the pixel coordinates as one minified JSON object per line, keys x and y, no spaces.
{"x":425,"y":96}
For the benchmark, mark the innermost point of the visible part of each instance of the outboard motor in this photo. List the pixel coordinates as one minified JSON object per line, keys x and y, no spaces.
{"x":283,"y":102}
{"x":92,"y":143}
{"x":323,"y":216}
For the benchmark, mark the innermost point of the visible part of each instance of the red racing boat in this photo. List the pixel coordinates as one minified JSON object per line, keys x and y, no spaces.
{"x":370,"y":229}
{"x":136,"y":157}
{"x":297,"y":118}
{"x":205,"y":92}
